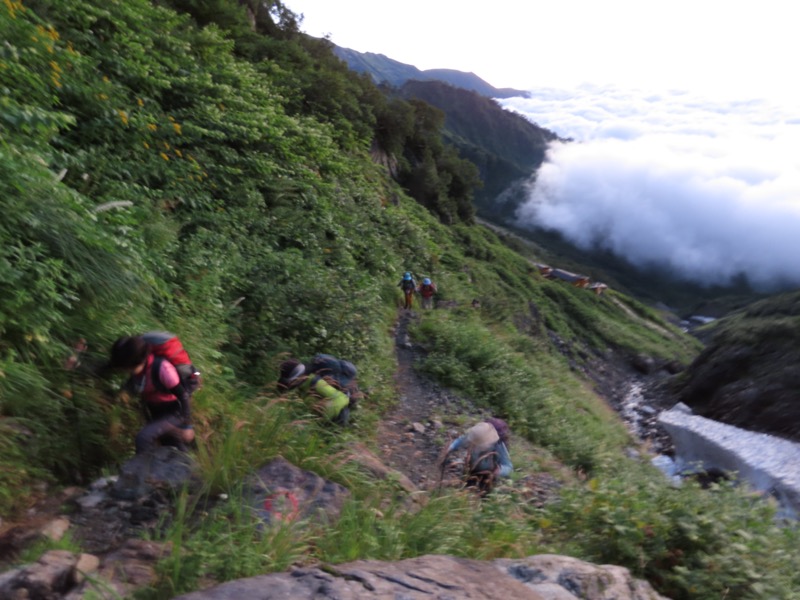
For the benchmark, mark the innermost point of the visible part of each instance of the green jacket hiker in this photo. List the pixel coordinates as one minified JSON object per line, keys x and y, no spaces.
{"x":332,"y":399}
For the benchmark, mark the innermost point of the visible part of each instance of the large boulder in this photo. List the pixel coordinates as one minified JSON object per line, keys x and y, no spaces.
{"x":434,"y":577}
{"x":280,"y":491}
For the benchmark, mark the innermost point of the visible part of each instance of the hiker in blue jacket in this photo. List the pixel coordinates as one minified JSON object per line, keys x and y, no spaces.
{"x":409,"y":286}
{"x":488,"y":458}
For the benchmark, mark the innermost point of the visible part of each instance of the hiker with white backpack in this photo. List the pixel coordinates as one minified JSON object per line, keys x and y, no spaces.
{"x":487,"y":454}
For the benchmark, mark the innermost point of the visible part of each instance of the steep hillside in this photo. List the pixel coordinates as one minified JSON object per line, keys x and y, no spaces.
{"x":748,"y":375}
{"x":203,"y":167}
{"x":504,"y":145}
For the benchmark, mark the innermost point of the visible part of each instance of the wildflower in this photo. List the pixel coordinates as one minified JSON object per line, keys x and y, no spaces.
{"x":123,"y":116}
{"x":164,"y":156}
{"x":177,"y":128}
{"x":146,"y":145}
{"x":140,"y":102}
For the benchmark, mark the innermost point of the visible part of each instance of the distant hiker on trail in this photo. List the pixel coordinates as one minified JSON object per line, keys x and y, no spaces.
{"x":329,"y":381}
{"x":427,"y":290}
{"x":161,"y":373}
{"x":487,"y":456}
{"x":409,"y":286}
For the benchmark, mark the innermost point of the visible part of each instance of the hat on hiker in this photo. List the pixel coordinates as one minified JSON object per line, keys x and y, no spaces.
{"x":128,"y":352}
{"x":482,"y":436}
{"x":426,"y":281}
{"x":290,"y":370}
{"x":407,"y":276}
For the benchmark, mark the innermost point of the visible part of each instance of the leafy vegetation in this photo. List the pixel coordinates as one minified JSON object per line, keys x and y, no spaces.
{"x":170,"y":165}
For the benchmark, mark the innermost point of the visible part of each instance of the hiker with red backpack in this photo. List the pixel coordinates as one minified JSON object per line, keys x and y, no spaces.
{"x":427,"y":290}
{"x":487,"y":454}
{"x":162,"y":374}
{"x":329,"y":381}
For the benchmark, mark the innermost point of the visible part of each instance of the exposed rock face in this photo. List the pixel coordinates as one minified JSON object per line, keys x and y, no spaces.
{"x":282,"y":491}
{"x":557,"y":577}
{"x":544,"y":577}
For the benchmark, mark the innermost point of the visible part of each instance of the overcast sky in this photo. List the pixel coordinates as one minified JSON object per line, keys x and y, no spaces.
{"x":686,"y":115}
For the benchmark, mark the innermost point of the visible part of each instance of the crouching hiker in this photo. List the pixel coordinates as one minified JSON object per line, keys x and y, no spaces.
{"x":162,"y":375}
{"x":329,"y":381}
{"x":487,"y":456}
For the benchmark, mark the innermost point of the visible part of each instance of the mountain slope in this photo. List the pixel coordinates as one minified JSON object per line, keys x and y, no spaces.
{"x":182,"y":166}
{"x":383,"y":69}
{"x":748,"y":374}
{"x":504,"y":145}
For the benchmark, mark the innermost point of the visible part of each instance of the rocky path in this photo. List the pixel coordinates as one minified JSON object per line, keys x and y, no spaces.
{"x":425,"y":419}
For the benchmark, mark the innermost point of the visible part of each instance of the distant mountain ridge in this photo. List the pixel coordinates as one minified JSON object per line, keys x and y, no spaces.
{"x":384,"y":69}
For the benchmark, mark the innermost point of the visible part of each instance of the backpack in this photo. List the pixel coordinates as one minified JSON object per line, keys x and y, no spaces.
{"x":167,"y":346}
{"x":408,"y":285}
{"x":342,"y":372}
{"x":501,"y":427}
{"x":479,"y":470}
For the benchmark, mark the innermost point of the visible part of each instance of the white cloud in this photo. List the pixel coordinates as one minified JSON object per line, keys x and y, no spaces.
{"x":709,"y":190}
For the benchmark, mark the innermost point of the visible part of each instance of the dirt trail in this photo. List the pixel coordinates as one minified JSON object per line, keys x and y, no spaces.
{"x":426,"y":418}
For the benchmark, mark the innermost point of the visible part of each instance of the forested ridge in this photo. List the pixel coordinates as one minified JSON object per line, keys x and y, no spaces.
{"x":203,"y":167}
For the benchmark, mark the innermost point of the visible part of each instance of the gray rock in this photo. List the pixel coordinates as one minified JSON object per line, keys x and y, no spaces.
{"x":418,"y":427}
{"x":50,"y":577}
{"x":280,"y":490}
{"x":163,"y":468}
{"x":433,"y":577}
{"x":578,"y":578}
{"x":428,"y":577}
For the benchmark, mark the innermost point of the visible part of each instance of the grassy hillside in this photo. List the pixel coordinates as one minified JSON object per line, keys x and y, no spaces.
{"x":172,"y":166}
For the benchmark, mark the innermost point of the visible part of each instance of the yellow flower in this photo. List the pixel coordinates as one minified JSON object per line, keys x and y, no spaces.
{"x":146,"y":145}
{"x":106,"y":79}
{"x":164,"y":156}
{"x":152,"y":126}
{"x":102,"y":96}
{"x":54,"y":66}
{"x":177,"y":128}
{"x":140,"y":102}
{"x":123,"y":116}
{"x":178,"y":152}
{"x":166,"y":145}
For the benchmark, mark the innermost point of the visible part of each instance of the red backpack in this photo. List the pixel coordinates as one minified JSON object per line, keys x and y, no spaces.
{"x":166,"y":346}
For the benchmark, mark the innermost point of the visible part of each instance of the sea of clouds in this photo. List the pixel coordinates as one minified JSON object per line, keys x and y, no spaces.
{"x":707,"y":189}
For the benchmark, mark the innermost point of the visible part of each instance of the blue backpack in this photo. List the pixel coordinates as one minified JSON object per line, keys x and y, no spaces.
{"x":342,"y":372}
